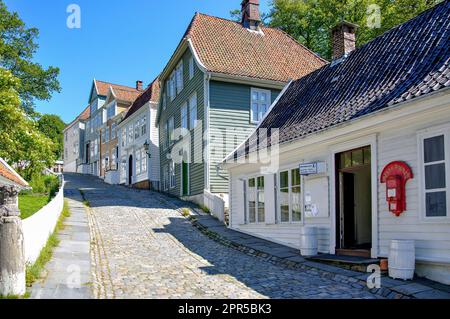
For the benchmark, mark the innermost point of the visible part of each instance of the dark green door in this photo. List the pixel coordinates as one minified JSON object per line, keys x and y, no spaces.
{"x":185,"y":174}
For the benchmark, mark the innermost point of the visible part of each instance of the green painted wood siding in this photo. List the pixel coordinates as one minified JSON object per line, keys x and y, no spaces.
{"x":229,"y":109}
{"x":196,"y":84}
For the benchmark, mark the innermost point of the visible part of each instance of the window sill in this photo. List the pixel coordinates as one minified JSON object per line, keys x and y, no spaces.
{"x":435,"y":220}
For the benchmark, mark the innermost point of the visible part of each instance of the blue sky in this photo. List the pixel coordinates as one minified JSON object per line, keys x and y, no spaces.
{"x":119,"y":41}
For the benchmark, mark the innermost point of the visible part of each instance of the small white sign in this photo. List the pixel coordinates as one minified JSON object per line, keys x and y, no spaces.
{"x":312,"y":168}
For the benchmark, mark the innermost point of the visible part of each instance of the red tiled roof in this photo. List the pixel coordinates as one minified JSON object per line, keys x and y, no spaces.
{"x":85,"y":114}
{"x":10,"y":174}
{"x":82,"y":117}
{"x":225,"y":46}
{"x":122,"y":92}
{"x":151,"y":94}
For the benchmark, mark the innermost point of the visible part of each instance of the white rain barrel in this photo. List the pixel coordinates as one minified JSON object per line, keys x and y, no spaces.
{"x":402,"y":259}
{"x":308,"y":241}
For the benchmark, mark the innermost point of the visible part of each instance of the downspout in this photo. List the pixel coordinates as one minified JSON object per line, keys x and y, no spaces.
{"x":207,"y":79}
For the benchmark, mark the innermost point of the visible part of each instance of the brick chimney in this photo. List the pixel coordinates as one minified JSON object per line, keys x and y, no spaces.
{"x":251,"y":17}
{"x":343,"y":37}
{"x":139,"y":85}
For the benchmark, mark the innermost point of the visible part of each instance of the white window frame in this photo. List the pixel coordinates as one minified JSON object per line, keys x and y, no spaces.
{"x":184,"y":116}
{"x":138,"y":162}
{"x":170,"y":130}
{"x":179,"y":77}
{"x":193,"y":120}
{"x":172,"y":175}
{"x":247,"y":190}
{"x":191,"y":68}
{"x":268,"y":102}
{"x":144,"y":126}
{"x":124,"y":136}
{"x":421,"y":137}
{"x":302,"y":216}
{"x":106,"y":134}
{"x":144,"y":163}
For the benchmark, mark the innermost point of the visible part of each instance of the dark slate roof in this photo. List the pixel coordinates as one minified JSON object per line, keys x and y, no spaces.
{"x":406,"y":62}
{"x":151,"y":94}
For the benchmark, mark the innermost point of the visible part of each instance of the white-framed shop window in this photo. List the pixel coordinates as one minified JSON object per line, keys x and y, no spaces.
{"x":172,"y":174}
{"x":434,"y":161}
{"x":255,"y":200}
{"x":260,"y":103}
{"x":289,"y":196}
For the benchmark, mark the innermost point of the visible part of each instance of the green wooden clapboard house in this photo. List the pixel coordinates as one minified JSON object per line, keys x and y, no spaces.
{"x":217,"y":86}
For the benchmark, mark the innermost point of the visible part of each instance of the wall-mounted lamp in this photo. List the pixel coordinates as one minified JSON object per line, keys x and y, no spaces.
{"x":147,"y":147}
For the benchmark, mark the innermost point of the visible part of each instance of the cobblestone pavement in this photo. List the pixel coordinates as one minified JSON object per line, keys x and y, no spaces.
{"x":141,"y":248}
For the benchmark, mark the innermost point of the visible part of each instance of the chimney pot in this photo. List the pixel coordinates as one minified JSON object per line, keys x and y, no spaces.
{"x":343,"y":37}
{"x":139,"y":85}
{"x":251,"y":17}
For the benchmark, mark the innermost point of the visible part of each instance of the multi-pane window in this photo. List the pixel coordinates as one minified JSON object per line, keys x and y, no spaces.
{"x":191,"y":68}
{"x":170,"y":130}
{"x":260,"y":102}
{"x":172,"y":174}
{"x":137,"y":129}
{"x":107,"y":134}
{"x":123,"y":167}
{"x":103,"y":136}
{"x":130,"y":134}
{"x":289,"y":196}
{"x":124,"y":137}
{"x":193,"y":111}
{"x":256,"y":200}
{"x":138,"y":162}
{"x":179,"y":77}
{"x":184,"y":116}
{"x":113,"y":161}
{"x":143,"y":160}
{"x":144,"y":126}
{"x":435,"y":175}
{"x":164,"y":102}
{"x":113,"y":130}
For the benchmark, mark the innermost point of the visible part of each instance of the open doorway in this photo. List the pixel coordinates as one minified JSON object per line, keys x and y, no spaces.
{"x":130,"y":170}
{"x":354,"y":202}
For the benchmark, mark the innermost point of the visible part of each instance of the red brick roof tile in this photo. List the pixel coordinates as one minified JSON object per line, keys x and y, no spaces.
{"x":225,"y":46}
{"x":10,"y":174}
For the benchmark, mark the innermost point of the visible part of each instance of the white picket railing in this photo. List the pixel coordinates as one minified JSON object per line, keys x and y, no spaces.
{"x":40,"y":226}
{"x":215,"y":204}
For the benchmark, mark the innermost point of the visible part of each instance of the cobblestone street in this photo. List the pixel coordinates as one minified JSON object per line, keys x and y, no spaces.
{"x":142,"y":248}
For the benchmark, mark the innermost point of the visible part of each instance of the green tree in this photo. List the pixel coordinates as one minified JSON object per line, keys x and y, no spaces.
{"x":17,"y":48}
{"x":52,"y":127}
{"x":21,"y":143}
{"x":310,"y":21}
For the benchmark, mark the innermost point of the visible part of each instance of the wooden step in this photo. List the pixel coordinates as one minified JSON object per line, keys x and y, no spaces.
{"x":353,"y":252}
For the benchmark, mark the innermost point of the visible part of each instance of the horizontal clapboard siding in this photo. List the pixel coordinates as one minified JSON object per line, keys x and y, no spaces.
{"x":229,"y":126}
{"x":432,"y":239}
{"x":196,"y":170}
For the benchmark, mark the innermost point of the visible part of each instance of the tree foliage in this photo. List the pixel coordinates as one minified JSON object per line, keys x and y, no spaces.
{"x":310,"y":21}
{"x":17,"y":48}
{"x":52,"y":126}
{"x":21,"y":143}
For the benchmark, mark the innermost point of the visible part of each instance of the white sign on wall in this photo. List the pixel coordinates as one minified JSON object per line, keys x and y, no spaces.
{"x":313,"y":168}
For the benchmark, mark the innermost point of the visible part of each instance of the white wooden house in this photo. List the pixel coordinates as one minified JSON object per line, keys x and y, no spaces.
{"x":386,"y":102}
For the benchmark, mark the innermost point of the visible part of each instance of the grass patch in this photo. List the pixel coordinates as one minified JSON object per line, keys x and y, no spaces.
{"x":33,"y":272}
{"x":205,"y":209}
{"x":185,"y":212}
{"x":29,"y":204}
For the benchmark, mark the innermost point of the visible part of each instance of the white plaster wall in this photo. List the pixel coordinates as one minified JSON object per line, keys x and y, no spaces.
{"x":40,"y":226}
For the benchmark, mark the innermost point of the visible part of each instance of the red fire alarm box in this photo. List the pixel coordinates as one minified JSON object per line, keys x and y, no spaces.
{"x":395,"y":175}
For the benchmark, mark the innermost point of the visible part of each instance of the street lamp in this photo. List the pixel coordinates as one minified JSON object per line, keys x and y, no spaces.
{"x":147,"y":147}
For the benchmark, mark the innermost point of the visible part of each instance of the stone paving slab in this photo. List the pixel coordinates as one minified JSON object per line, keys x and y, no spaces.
{"x":69,"y":270}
